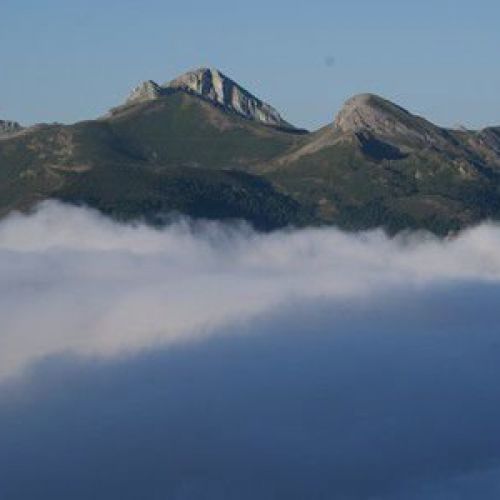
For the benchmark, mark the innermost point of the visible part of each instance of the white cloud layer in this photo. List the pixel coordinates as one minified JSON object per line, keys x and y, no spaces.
{"x":204,"y":361}
{"x":73,"y":281}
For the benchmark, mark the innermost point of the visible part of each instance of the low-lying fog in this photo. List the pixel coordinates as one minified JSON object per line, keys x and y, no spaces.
{"x":206,"y":361}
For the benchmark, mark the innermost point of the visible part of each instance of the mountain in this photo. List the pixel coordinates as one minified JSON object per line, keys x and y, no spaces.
{"x":148,"y":157}
{"x":204,"y":146}
{"x":380,"y":165}
{"x":216,"y":88}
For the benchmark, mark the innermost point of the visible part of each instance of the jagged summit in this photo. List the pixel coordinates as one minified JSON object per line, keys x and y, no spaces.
{"x":217,"y":87}
{"x":214,"y":86}
{"x":376,"y":115}
{"x":144,"y":92}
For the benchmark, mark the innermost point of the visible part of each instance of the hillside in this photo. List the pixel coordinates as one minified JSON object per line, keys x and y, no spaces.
{"x":204,"y":146}
{"x":379,"y":165}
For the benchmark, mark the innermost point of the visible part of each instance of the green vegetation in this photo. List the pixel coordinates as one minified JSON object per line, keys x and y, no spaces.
{"x":182,"y":154}
{"x":130,"y":191}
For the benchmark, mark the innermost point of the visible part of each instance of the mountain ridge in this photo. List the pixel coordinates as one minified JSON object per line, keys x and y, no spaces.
{"x":200,"y":145}
{"x":216,"y":87}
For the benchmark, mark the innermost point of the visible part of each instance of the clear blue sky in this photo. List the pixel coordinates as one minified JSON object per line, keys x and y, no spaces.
{"x":66,"y":60}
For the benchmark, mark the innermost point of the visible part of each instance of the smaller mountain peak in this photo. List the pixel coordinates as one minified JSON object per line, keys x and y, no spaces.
{"x":145,"y":91}
{"x":370,"y":112}
{"x":376,"y":115}
{"x":365,"y":99}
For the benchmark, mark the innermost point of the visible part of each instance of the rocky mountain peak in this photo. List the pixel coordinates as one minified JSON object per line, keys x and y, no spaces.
{"x":376,"y":115}
{"x":212,"y":85}
{"x":145,"y":91}
{"x":364,"y":112}
{"x":206,"y":82}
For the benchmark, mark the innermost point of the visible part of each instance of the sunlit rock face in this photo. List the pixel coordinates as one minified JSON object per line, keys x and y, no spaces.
{"x":145,"y":91}
{"x":371,"y":113}
{"x":217,"y":88}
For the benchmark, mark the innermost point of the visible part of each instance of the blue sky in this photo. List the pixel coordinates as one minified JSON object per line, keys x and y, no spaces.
{"x":71,"y":60}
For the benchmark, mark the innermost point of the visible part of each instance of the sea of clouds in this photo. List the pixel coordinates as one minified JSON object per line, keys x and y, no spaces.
{"x":207,"y":361}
